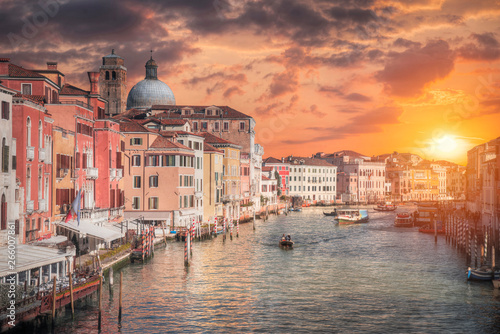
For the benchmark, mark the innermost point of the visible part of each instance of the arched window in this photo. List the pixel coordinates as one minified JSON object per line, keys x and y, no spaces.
{"x":40,"y":134}
{"x":114,"y":75}
{"x":40,"y":183}
{"x":107,"y":75}
{"x":28,"y":184}
{"x":5,"y":156}
{"x":3,"y":214}
{"x":28,"y":134}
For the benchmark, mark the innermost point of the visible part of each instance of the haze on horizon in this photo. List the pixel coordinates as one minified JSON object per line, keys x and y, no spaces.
{"x":372,"y":76}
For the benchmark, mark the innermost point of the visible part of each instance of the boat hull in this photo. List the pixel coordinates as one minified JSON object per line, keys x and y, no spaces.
{"x":286,"y":243}
{"x":347,"y":221}
{"x":482,"y":275}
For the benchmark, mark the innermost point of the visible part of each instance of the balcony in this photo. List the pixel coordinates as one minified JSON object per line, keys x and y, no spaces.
{"x":112,"y":173}
{"x":30,"y":206}
{"x":94,"y":215}
{"x":6,"y":179}
{"x":41,"y":154}
{"x":42,"y":205}
{"x":92,"y":173}
{"x":119,"y":173}
{"x":30,"y":153}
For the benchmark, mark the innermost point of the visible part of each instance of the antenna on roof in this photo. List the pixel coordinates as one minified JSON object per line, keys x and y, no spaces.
{"x":151,"y":54}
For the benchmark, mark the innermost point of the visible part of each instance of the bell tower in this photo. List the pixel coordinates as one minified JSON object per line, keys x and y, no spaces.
{"x":113,"y":83}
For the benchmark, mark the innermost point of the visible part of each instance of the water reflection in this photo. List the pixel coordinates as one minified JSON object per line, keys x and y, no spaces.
{"x":363,"y":278}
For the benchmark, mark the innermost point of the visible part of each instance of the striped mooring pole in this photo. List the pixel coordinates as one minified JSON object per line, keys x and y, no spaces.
{"x":215,"y":227}
{"x":186,"y":253}
{"x":237,"y":229}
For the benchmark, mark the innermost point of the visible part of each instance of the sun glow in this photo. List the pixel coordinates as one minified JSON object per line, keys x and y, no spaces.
{"x":446,"y":144}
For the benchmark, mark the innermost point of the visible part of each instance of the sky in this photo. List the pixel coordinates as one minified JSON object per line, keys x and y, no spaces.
{"x":372,"y":76}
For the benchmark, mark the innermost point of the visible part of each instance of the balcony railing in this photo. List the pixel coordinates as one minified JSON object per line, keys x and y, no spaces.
{"x":119,"y":173}
{"x":6,"y":179}
{"x":92,"y":173}
{"x":115,"y":212}
{"x":41,"y":154}
{"x":94,"y":215}
{"x":30,"y":206}
{"x":76,"y":102}
{"x":30,"y":153}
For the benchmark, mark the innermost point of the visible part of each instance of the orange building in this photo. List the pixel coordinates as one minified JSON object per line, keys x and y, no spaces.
{"x":159,"y":177}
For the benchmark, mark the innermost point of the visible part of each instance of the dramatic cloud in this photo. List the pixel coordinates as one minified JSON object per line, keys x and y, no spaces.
{"x":486,"y":47}
{"x":407,"y":73}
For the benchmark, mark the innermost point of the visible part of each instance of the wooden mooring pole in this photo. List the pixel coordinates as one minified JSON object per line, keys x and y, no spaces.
{"x":71,"y":294}
{"x":54,"y":287}
{"x":120,"y":297}
{"x":100,"y":304}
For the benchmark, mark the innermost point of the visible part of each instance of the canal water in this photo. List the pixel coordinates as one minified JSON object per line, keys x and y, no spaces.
{"x":370,"y":278}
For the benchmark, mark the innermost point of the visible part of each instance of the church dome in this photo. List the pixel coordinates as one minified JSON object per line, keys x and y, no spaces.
{"x":150,"y":91}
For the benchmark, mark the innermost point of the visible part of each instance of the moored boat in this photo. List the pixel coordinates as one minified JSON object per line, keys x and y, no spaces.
{"x":353,"y":216}
{"x":385,"y":207}
{"x":496,"y":283}
{"x":403,"y":220}
{"x":430,"y":230}
{"x":483,"y":273}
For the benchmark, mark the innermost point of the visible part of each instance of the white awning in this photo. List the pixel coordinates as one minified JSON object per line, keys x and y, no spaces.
{"x":29,"y":257}
{"x":91,"y":230}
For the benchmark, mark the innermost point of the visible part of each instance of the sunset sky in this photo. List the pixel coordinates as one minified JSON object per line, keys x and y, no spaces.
{"x":372,"y":76}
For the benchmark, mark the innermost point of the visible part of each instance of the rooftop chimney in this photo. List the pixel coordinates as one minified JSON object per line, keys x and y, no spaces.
{"x":4,"y":66}
{"x":94,"y":82}
{"x":52,"y":65}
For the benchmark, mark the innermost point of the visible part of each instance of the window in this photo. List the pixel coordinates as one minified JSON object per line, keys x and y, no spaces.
{"x":107,"y":75}
{"x":153,"y":160}
{"x":204,"y":126}
{"x":5,"y":110}
{"x":153,"y":203}
{"x":153,"y":181}
{"x":168,"y":160}
{"x":242,"y":126}
{"x":136,"y":203}
{"x":113,"y":75}
{"x":216,"y":126}
{"x":136,"y":161}
{"x":137,"y":182}
{"x":26,"y":89}
{"x":225,"y":126}
{"x":5,"y":156}
{"x":3,"y":213}
{"x":135,"y":141}
{"x":28,"y":131}
{"x":40,"y":134}
{"x":195,"y":126}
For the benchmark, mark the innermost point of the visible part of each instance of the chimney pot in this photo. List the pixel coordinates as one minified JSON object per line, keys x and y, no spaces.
{"x":94,"y":82}
{"x":52,"y":65}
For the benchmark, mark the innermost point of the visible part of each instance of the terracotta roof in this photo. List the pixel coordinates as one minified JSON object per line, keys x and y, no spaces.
{"x":16,"y":71}
{"x":348,"y":153}
{"x":199,"y":112}
{"x":211,"y":139}
{"x":130,"y":126}
{"x":309,"y":161}
{"x":265,"y":178}
{"x":68,"y":89}
{"x":272,"y":160}
{"x":267,"y":169}
{"x":162,"y":142}
{"x":179,"y":132}
{"x":131,"y":114}
{"x":38,"y":99}
{"x":209,"y":148}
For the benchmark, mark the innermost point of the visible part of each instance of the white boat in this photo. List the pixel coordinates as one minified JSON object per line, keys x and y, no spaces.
{"x":352,"y":216}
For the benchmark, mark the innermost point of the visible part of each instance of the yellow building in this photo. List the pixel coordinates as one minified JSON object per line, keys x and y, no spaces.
{"x":231,"y":187}
{"x":424,"y":184}
{"x":213,"y":169}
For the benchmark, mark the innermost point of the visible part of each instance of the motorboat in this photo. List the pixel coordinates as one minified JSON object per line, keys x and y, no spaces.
{"x":403,"y":220}
{"x":352,"y":216}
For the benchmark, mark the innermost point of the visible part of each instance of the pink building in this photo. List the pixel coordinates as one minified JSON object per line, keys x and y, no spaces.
{"x":32,"y":129}
{"x":283,"y":169}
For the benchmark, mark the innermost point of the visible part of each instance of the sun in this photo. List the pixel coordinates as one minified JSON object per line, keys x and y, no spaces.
{"x":446,"y":144}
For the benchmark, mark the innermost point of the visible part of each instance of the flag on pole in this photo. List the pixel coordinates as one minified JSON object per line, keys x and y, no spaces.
{"x":75,"y":208}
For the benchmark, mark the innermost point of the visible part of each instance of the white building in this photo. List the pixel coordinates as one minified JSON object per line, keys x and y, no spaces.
{"x":269,"y":191}
{"x":9,"y":207}
{"x":315,"y":180}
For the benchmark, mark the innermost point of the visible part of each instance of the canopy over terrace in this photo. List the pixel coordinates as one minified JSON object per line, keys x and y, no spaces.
{"x":90,"y":237}
{"x":47,"y":260}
